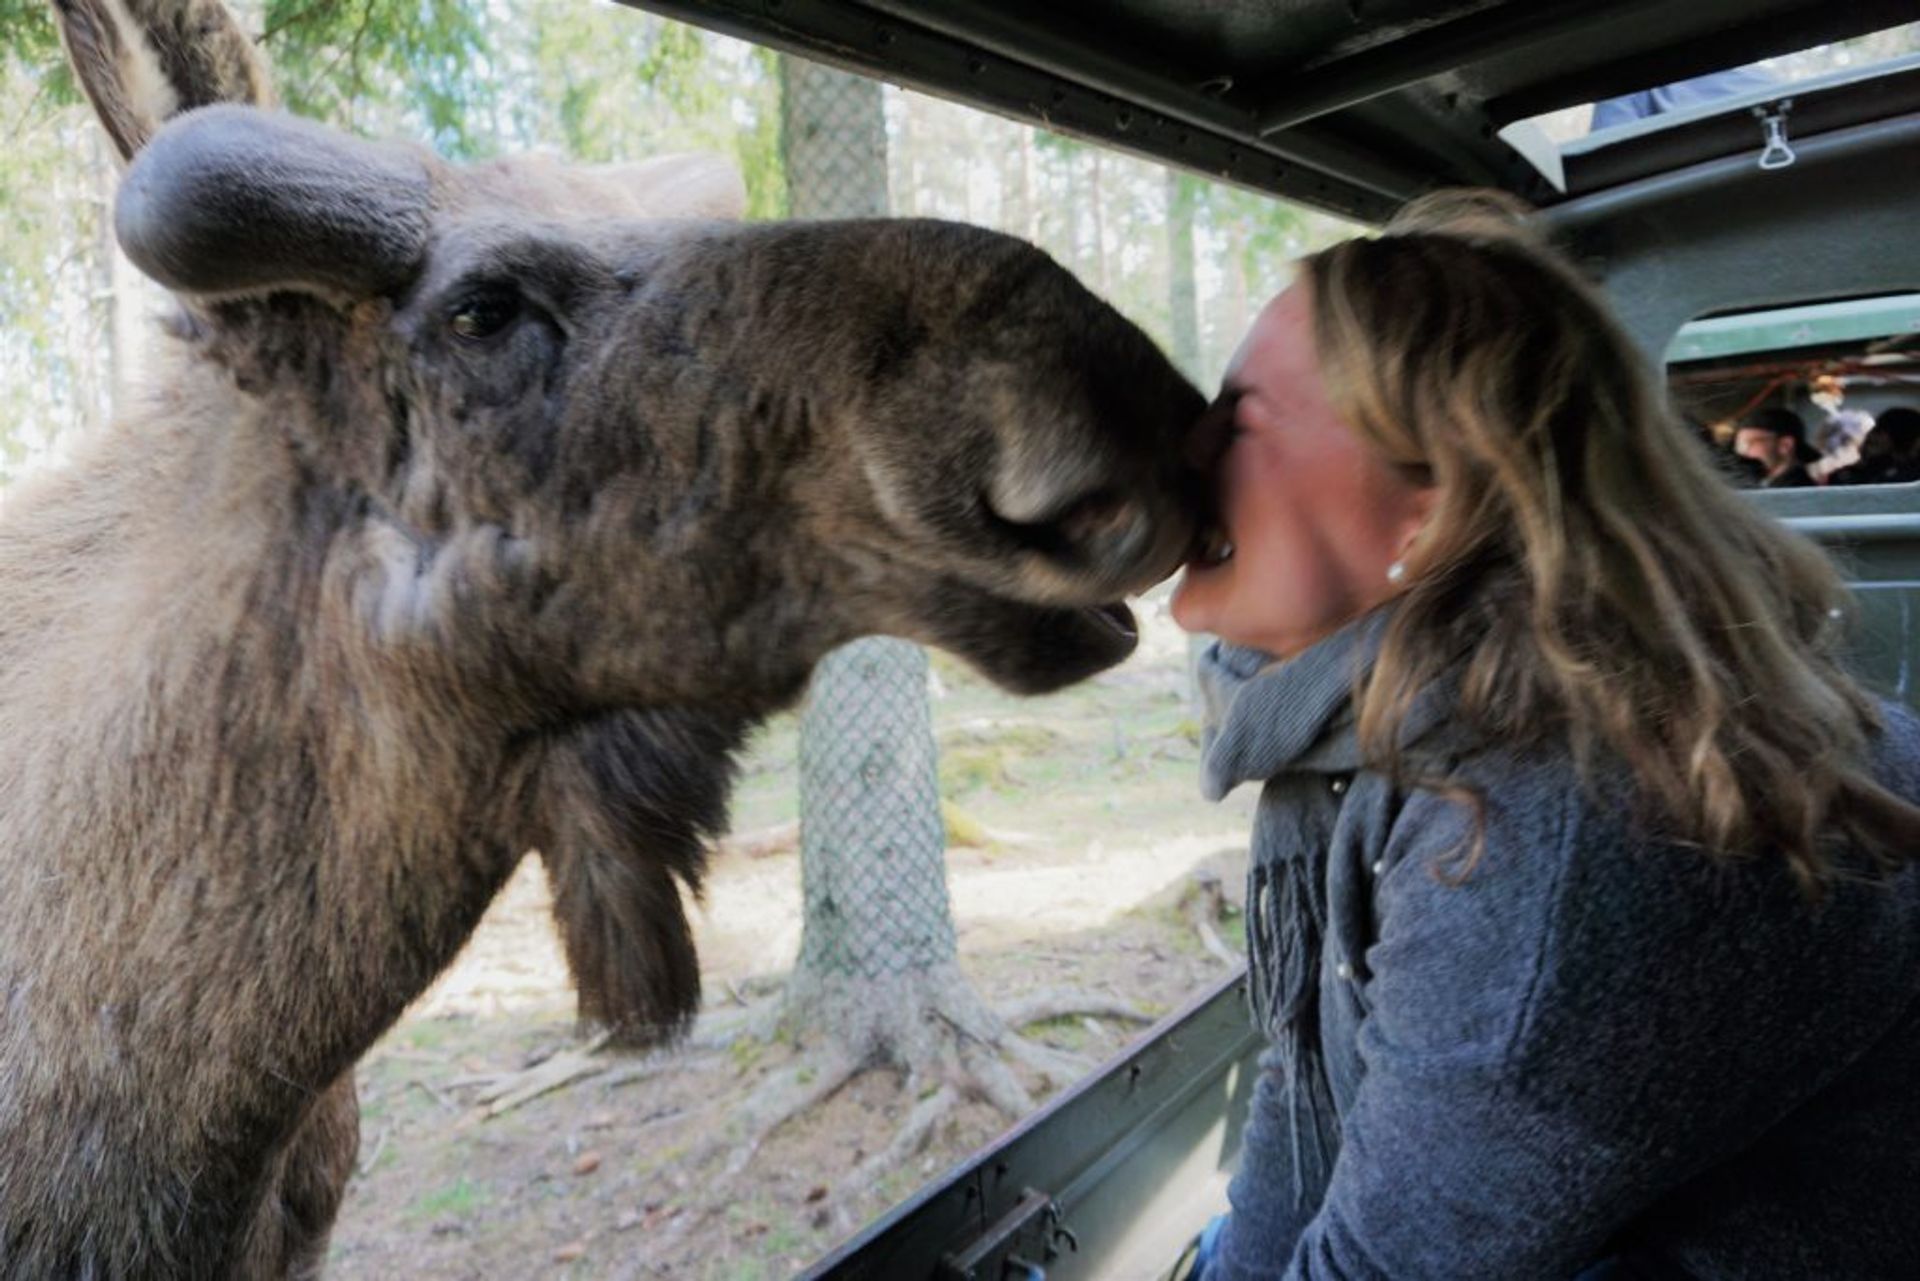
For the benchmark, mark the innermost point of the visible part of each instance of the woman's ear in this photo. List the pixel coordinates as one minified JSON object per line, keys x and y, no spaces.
{"x":1419,"y":507}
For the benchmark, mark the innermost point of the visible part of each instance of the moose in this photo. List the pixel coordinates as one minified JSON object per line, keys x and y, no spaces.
{"x":476,"y":511}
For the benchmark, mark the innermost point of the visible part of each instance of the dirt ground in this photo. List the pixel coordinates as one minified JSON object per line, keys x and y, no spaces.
{"x":1096,"y":834}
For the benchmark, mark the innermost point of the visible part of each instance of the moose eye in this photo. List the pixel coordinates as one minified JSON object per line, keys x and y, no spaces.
{"x":483,"y":314}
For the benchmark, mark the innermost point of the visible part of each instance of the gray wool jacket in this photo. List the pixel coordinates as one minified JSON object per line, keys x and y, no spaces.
{"x":1598,"y":1055}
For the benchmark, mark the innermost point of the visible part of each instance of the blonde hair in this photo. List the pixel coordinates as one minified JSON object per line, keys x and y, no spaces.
{"x":1585,"y":570}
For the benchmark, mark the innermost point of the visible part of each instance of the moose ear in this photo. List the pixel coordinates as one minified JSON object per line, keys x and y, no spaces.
{"x":142,"y":62}
{"x":233,"y":200}
{"x":692,"y":185}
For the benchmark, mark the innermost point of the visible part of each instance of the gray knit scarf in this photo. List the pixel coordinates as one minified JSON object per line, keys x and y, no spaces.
{"x":1290,"y":725}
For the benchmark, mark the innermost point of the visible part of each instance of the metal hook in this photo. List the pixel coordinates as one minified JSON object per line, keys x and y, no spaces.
{"x":1058,"y":1231}
{"x":1776,"y":154}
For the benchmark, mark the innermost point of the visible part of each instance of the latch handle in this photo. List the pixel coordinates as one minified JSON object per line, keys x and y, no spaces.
{"x":1776,"y":154}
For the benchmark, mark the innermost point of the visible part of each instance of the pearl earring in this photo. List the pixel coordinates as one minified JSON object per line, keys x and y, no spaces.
{"x":1396,"y":571}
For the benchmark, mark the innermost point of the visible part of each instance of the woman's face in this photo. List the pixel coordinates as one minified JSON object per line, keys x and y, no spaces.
{"x":1313,"y":516}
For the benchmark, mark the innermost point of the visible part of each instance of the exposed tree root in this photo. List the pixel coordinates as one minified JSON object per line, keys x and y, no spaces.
{"x":948,"y":1044}
{"x":508,"y":1090}
{"x":907,"y":1142}
{"x":1204,"y":904}
{"x":1058,"y":1067}
{"x":723,"y":1029}
{"x":1060,"y":1003}
{"x":809,"y":1080}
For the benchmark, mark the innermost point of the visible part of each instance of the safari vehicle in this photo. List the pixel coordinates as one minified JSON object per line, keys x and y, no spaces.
{"x":1756,"y":213}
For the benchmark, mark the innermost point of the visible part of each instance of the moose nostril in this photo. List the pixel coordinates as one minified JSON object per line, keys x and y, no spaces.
{"x":1104,"y":525}
{"x":1098,"y":515}
{"x":1106,"y":528}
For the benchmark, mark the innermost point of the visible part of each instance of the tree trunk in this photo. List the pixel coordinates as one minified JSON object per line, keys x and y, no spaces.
{"x":833,"y":133}
{"x":877,"y":949}
{"x":1098,"y":204}
{"x":878,"y":939}
{"x":1183,"y":307}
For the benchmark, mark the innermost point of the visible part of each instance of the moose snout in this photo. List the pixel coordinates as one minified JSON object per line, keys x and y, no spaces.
{"x":1107,"y":528}
{"x":1112,"y":539}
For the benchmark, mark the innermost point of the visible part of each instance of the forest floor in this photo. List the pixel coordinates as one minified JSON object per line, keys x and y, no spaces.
{"x":1095,"y":836}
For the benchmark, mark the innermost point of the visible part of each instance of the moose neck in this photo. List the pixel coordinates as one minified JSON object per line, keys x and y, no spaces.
{"x":246,"y":853}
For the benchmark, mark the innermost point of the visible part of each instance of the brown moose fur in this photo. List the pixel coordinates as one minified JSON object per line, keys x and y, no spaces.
{"x":353,"y":608}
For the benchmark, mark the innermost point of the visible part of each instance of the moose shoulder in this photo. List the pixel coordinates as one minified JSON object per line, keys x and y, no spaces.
{"x":476,"y":511}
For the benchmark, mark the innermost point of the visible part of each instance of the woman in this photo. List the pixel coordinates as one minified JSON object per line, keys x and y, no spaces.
{"x":1580,"y":913}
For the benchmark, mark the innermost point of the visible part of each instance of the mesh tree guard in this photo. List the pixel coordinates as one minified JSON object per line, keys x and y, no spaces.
{"x":872,"y":843}
{"x":834,"y":137}
{"x":871,"y":838}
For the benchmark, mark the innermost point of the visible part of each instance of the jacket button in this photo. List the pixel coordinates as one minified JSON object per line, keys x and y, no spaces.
{"x":1379,"y":867}
{"x":1344,"y":970}
{"x":1338,"y":785}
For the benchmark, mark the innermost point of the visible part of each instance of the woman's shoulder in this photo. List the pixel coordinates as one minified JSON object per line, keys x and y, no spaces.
{"x":1495,"y":804}
{"x":1532,"y":846}
{"x":1537,"y":809}
{"x":1897,"y":749}
{"x":1573,"y":900}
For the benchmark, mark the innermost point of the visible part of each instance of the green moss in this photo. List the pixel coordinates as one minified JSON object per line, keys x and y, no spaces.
{"x":964,"y":831}
{"x":460,"y":1198}
{"x":968,"y":769}
{"x":1064,"y":1033}
{"x":745,"y":1052}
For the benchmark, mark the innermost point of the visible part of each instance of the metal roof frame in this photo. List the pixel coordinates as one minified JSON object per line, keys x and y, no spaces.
{"x":1345,"y":105}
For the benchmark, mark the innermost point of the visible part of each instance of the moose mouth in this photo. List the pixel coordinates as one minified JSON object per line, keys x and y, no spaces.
{"x":1022,"y":646}
{"x":1118,"y":618}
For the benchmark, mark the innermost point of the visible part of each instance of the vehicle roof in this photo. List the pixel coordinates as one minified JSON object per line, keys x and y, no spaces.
{"x":1350,"y":105}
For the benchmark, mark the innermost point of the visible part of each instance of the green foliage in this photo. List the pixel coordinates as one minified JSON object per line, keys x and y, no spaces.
{"x":601,"y":82}
{"x":604,"y":83}
{"x":374,"y":65}
{"x":27,"y":36}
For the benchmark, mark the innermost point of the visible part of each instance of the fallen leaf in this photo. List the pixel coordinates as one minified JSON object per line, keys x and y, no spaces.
{"x":818,"y":1192}
{"x":587,"y":1164}
{"x":570,"y":1251}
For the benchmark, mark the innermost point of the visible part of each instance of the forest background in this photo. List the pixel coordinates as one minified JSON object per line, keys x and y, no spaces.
{"x":1186,"y":259}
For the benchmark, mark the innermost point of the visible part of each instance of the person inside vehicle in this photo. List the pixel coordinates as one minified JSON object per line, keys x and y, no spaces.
{"x":1582,"y":912}
{"x":1747,"y":473}
{"x":1890,"y":452}
{"x":1682,"y":95}
{"x":1837,"y":437}
{"x":1776,"y":439}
